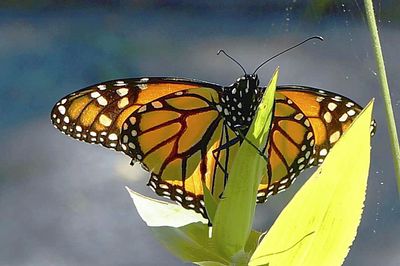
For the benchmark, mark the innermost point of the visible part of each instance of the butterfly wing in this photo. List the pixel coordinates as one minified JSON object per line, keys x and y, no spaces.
{"x":177,"y":138}
{"x":95,"y":114}
{"x":177,"y":127}
{"x":330,"y":114}
{"x":307,"y":123}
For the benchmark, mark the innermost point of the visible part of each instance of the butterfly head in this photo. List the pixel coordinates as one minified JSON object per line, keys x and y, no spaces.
{"x":247,"y":82}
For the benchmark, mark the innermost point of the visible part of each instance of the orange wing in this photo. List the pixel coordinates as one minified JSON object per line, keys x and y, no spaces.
{"x":307,"y":123}
{"x":330,"y":115}
{"x":176,"y":138}
{"x":95,"y":114}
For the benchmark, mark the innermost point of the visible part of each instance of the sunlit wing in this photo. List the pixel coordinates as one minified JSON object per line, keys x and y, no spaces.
{"x":313,"y":121}
{"x":174,"y":138}
{"x":330,"y":115}
{"x":289,"y":148}
{"x":95,"y":114}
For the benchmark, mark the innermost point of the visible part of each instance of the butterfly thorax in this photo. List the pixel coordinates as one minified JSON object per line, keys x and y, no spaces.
{"x":239,"y":102}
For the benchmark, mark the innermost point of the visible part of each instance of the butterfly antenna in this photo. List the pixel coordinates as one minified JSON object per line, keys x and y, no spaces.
{"x":288,"y":49}
{"x":230,"y":57}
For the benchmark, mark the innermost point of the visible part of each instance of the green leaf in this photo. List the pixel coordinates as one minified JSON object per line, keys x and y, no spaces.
{"x":210,"y":203}
{"x":189,"y":243}
{"x":235,"y":212}
{"x":183,"y":232}
{"x":320,"y":223}
{"x":252,"y":241}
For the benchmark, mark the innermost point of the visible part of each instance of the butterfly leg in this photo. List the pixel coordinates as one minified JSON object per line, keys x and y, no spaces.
{"x":224,"y":146}
{"x":252,"y":144}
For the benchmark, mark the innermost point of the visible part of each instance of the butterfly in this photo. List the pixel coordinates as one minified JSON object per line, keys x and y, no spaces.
{"x":186,"y":132}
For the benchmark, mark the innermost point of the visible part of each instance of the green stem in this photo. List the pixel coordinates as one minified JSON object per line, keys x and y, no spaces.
{"x":369,"y":9}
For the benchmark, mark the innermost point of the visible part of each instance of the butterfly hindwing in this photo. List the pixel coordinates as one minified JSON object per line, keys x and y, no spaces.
{"x":321,"y":117}
{"x":289,"y":147}
{"x":330,"y":114}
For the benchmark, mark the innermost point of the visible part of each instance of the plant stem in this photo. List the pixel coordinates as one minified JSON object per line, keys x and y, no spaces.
{"x":369,"y":9}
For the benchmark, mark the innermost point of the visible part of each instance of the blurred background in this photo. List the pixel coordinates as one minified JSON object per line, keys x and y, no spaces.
{"x":63,"y":202}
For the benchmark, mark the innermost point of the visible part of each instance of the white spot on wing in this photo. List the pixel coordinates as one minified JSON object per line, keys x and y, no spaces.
{"x":343,"y":118}
{"x":334,"y":137}
{"x":122,"y":91}
{"x":102,"y":87}
{"x":95,"y":95}
{"x":164,"y":186}
{"x":120,"y":83}
{"x":328,"y":117}
{"x":131,"y":145}
{"x":105,"y":120}
{"x":123,"y":102}
{"x":351,"y":112}
{"x":157,"y":104}
{"x":332,"y":106}
{"x":112,"y":136}
{"x":323,"y":152}
{"x":61,"y":109}
{"x":142,"y":109}
{"x":102,"y":101}
{"x":298,"y":116}
{"x":132,"y":119}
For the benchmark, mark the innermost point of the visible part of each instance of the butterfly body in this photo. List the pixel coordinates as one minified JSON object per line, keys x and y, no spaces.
{"x":239,"y":102}
{"x":186,"y":132}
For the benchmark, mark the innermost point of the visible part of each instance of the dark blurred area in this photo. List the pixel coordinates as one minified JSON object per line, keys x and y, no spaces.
{"x":310,"y":9}
{"x":64,"y":203}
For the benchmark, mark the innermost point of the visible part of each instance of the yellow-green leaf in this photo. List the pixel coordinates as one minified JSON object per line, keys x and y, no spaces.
{"x":319,"y":225}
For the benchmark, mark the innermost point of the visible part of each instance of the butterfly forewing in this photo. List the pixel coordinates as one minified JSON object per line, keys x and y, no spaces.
{"x":96,"y":114}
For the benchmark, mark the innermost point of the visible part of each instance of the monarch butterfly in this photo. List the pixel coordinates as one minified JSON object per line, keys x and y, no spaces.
{"x":176,"y":127}
{"x":186,"y":132}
